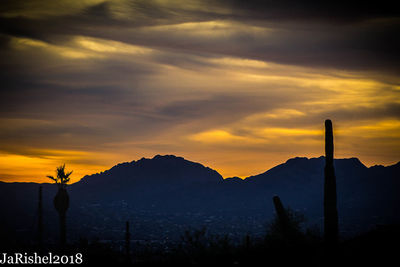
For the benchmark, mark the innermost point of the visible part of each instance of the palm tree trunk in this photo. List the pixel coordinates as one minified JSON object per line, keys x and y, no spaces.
{"x":63,"y":228}
{"x":61,"y":203}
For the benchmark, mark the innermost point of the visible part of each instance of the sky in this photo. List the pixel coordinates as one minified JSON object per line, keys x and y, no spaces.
{"x":239,"y":86}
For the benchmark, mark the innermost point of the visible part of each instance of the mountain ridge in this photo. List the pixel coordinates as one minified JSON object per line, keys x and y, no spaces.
{"x":355,"y":159}
{"x":179,"y":158}
{"x":190,"y":194}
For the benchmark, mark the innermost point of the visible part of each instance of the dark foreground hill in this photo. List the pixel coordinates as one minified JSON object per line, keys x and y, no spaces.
{"x":166,"y":195}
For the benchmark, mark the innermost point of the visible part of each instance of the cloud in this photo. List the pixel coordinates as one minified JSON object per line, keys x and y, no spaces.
{"x":311,"y":10}
{"x":332,"y":35}
{"x":220,"y":82}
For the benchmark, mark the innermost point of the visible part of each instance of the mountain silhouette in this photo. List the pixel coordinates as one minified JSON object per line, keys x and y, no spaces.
{"x":172,"y":194}
{"x":163,"y":181}
{"x":162,"y":171}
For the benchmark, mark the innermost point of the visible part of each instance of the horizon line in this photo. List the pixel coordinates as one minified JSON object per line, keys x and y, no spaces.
{"x":166,"y":155}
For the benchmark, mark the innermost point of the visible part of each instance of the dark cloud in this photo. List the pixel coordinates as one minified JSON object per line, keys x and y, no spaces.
{"x":304,"y":32}
{"x":221,"y":108}
{"x":151,"y":75}
{"x":332,"y":11}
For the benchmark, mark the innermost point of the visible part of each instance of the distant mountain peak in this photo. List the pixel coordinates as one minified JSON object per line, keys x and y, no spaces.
{"x":168,"y":157}
{"x":352,"y":160}
{"x":159,"y":170}
{"x":297,"y":159}
{"x":299,"y":165}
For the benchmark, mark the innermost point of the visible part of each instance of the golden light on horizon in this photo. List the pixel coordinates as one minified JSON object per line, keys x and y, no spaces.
{"x":93,"y":83}
{"x":35,"y":168}
{"x":256,"y":137}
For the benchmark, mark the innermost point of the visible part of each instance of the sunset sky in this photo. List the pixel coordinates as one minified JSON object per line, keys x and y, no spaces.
{"x":239,"y":86}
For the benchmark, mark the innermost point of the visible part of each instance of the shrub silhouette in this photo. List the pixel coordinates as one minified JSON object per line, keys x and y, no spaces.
{"x":195,"y":242}
{"x":285,"y":228}
{"x":199,"y":246}
{"x":127,"y":243}
{"x":331,"y":227}
{"x":61,"y":200}
{"x":281,"y":216}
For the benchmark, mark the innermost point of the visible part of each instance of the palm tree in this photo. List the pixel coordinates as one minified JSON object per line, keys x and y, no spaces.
{"x":62,"y":178}
{"x":61,"y":200}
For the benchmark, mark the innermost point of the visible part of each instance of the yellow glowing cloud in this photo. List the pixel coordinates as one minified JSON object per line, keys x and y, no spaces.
{"x":63,"y":51}
{"x":216,"y":136}
{"x":253,"y":136}
{"x":242,"y":63}
{"x":373,"y":129}
{"x":280,"y":113}
{"x":327,"y":82}
{"x":81,"y":47}
{"x":283,"y":132}
{"x":209,"y":29}
{"x":322,"y":90}
{"x":108,"y":46}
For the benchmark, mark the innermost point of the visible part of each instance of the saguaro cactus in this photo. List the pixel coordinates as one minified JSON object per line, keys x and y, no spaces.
{"x":61,"y":200}
{"x":331,"y":225}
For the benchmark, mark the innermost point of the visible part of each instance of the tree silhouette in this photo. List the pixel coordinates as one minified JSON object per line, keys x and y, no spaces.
{"x":61,"y":200}
{"x":127,"y":243}
{"x":286,"y":227}
{"x":62,"y":177}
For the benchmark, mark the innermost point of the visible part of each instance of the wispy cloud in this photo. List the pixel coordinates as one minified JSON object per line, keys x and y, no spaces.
{"x":238,"y":85}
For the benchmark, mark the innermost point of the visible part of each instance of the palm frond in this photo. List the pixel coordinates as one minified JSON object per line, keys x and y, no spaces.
{"x":68,"y":174}
{"x":52,"y":178}
{"x":62,"y":177}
